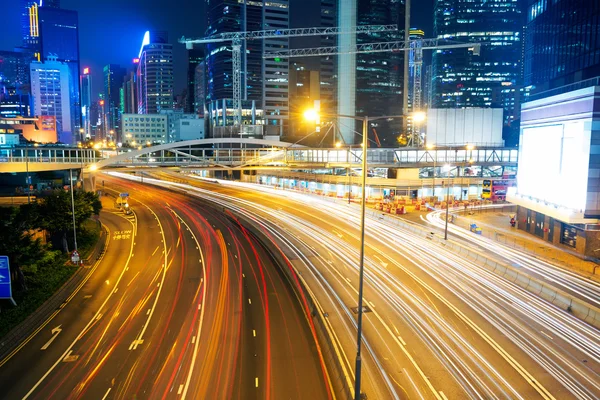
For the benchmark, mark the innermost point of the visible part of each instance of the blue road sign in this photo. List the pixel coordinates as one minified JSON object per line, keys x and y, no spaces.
{"x":5,"y":289}
{"x":124,"y":194}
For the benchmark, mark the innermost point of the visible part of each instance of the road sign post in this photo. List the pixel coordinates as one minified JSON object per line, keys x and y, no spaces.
{"x":5,"y":284}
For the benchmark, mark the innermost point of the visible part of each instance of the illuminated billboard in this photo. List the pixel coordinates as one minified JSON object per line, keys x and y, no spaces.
{"x":554,"y":164}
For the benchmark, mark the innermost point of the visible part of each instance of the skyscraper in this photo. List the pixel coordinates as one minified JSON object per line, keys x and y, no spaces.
{"x":462,"y":79}
{"x":14,"y":83}
{"x":59,"y":37}
{"x":263,"y":80}
{"x":562,"y":42}
{"x":369,"y":84}
{"x":155,"y":73}
{"x":30,"y":21}
{"x":50,"y":89}
{"x":113,"y":76}
{"x":86,"y":102}
{"x":195,"y":57}
{"x":200,"y":89}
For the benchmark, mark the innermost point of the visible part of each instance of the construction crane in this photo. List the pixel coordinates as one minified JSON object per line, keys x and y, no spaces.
{"x":236,"y":38}
{"x":380,"y":47}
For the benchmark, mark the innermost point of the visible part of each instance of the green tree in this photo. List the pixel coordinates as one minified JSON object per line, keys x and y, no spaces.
{"x":17,"y":242}
{"x":55,"y":213}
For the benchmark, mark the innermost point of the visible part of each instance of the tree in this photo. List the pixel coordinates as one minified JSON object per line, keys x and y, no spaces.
{"x":56,"y":213}
{"x":17,"y":242}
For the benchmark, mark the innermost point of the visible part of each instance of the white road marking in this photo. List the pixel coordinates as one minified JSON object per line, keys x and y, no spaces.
{"x":180,"y":389}
{"x":249,"y":301}
{"x":55,"y":332}
{"x":256,"y":381}
{"x":193,"y":339}
{"x":254,"y":332}
{"x":106,"y":394}
{"x":548,"y":336}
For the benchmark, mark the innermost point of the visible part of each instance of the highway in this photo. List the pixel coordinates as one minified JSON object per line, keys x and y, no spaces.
{"x":438,"y":325}
{"x":185,"y":304}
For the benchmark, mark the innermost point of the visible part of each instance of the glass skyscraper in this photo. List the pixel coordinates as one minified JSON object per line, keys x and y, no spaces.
{"x":30,"y":21}
{"x":462,"y":79}
{"x":264,"y":81}
{"x":59,"y":37}
{"x":113,"y":80}
{"x":154,"y":75}
{"x":370,"y":84}
{"x":562,"y":42}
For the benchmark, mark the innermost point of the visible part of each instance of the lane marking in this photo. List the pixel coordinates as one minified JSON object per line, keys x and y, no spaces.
{"x":256,"y":381}
{"x":155,"y":250}
{"x":180,"y":389}
{"x":193,"y":339}
{"x":106,"y":394}
{"x":254,"y":332}
{"x":249,"y":301}
{"x":548,"y":336}
{"x":133,"y":278}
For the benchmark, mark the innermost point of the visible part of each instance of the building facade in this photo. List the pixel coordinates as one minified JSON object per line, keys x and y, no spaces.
{"x":144,"y":129}
{"x":195,"y":58}
{"x":30,"y":22}
{"x":183,"y":126}
{"x":59,"y":37}
{"x":305,"y":92}
{"x":200,"y":89}
{"x":113,"y":76}
{"x":50,"y":90}
{"x":462,"y":78}
{"x":86,"y":102}
{"x":14,"y":83}
{"x":562,"y":43}
{"x":154,"y":75}
{"x":369,"y":84}
{"x":264,"y":81}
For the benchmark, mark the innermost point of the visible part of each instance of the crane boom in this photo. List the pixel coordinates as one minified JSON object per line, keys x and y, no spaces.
{"x":427,"y":44}
{"x":238,"y":37}
{"x":287,"y":33}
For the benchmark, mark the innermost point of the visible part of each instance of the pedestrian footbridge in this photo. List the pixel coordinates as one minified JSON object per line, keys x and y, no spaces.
{"x":235,"y":153}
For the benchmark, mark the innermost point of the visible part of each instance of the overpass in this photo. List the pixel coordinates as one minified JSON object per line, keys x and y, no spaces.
{"x":238,"y":154}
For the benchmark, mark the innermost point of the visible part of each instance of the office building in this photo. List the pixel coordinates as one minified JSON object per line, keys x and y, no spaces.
{"x":195,"y":58}
{"x":183,"y":126}
{"x":38,"y":129}
{"x":462,"y":78}
{"x":144,"y":129}
{"x":129,"y":89}
{"x":305,"y":93}
{"x":59,"y":37}
{"x":50,"y":90}
{"x":200,"y":89}
{"x":559,"y":201}
{"x":154,"y":75}
{"x":264,"y":81}
{"x":369,"y":84}
{"x":86,"y":102}
{"x":562,"y":43}
{"x":113,"y":80}
{"x":14,"y":83}
{"x":327,"y":70}
{"x":30,"y":22}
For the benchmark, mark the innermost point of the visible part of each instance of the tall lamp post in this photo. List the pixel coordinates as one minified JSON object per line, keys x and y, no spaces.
{"x":313,"y":115}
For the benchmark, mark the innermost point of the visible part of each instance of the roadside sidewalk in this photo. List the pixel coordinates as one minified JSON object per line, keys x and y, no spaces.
{"x":495,"y":225}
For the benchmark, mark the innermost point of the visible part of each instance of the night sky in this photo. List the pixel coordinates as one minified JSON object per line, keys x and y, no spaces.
{"x":111,"y":31}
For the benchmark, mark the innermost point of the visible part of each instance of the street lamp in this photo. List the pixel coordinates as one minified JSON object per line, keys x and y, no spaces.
{"x":313,"y":115}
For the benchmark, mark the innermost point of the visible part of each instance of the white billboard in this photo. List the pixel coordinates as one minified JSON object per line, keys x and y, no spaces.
{"x":458,"y":127}
{"x":554,"y":164}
